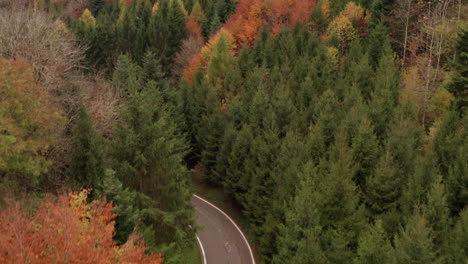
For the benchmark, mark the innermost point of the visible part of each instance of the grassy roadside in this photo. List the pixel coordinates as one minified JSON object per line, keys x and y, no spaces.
{"x":225,"y":203}
{"x":192,"y":255}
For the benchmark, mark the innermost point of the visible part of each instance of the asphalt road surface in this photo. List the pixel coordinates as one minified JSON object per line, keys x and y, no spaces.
{"x":221,"y":241}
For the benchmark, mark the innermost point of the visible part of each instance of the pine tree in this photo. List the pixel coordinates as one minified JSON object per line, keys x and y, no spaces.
{"x":459,"y":84}
{"x":419,"y":182}
{"x":96,"y":6}
{"x":165,"y":33}
{"x":87,"y":166}
{"x":457,"y":248}
{"x":385,"y":94}
{"x":457,"y":182}
{"x":414,"y":243}
{"x":221,"y":61}
{"x":148,"y":157}
{"x":374,"y":247}
{"x":302,"y":222}
{"x":319,"y":19}
{"x":377,"y":40}
{"x":238,"y":178}
{"x":215,"y":23}
{"x":383,"y":187}
{"x":437,"y":212}
{"x":258,"y":170}
{"x":365,"y":148}
{"x":291,"y":158}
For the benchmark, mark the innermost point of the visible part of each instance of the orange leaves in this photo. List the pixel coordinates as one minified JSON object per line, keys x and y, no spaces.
{"x":193,"y":27}
{"x":358,"y":16}
{"x":245,"y":23}
{"x":67,"y":230}
{"x":250,"y":15}
{"x":201,"y":60}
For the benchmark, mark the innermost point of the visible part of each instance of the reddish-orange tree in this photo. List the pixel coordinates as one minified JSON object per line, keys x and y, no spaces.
{"x":67,"y":230}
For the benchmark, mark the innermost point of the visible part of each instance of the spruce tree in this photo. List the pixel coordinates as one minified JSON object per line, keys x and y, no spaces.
{"x":87,"y":166}
{"x":148,"y":155}
{"x":383,"y":187}
{"x":374,"y":247}
{"x":457,"y":248}
{"x":457,"y":181}
{"x":459,"y":85}
{"x":385,"y":94}
{"x":437,"y":212}
{"x":414,"y":243}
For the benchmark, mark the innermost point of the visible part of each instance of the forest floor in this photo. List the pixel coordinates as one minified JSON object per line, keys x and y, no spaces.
{"x":218,"y":197}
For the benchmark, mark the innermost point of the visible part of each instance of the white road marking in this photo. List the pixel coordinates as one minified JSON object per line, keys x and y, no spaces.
{"x":238,"y":229}
{"x":202,"y":249}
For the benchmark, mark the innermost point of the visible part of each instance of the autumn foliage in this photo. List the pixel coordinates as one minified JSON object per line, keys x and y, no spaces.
{"x":244,"y":25}
{"x":28,"y":121}
{"x":67,"y":230}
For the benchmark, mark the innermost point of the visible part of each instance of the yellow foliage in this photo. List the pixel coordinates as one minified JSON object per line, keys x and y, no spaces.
{"x":61,"y":25}
{"x":155,"y":8}
{"x":411,"y":87}
{"x":197,"y":12}
{"x":441,"y":101}
{"x":343,"y":29}
{"x":325,"y":8}
{"x":353,"y":11}
{"x":79,"y":202}
{"x":182,"y":7}
{"x":87,"y":18}
{"x":332,"y":54}
{"x":209,"y":49}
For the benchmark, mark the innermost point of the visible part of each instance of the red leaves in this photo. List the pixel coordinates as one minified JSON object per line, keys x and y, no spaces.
{"x":67,"y":230}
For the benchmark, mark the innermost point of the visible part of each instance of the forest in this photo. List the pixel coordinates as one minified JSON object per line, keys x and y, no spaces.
{"x":337,"y":127}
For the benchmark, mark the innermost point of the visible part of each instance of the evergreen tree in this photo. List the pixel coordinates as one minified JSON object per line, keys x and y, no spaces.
{"x":220,"y":63}
{"x":165,"y":33}
{"x":215,"y":23}
{"x":383,"y":187}
{"x":377,"y":40}
{"x":374,"y":247}
{"x":414,"y":244}
{"x":302,"y":223}
{"x":459,"y":85}
{"x":96,"y":6}
{"x":240,"y":159}
{"x":318,"y":18}
{"x":457,"y":247}
{"x":419,"y":183}
{"x":437,"y":212}
{"x":449,"y":135}
{"x":385,"y":94}
{"x":148,"y":157}
{"x":457,"y":182}
{"x":365,"y":148}
{"x":87,"y":166}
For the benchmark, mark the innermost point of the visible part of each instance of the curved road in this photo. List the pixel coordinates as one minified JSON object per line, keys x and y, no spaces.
{"x":221,"y":240}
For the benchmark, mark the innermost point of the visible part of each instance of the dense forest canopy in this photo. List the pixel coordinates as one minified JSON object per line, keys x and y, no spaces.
{"x":337,"y":127}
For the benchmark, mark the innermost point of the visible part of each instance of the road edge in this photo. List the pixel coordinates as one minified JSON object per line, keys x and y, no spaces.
{"x":200,"y":245}
{"x":234,"y":223}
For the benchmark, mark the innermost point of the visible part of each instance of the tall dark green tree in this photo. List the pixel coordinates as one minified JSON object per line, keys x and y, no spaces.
{"x":148,"y":157}
{"x":87,"y":165}
{"x":374,"y":246}
{"x":415,"y":244}
{"x":459,"y":85}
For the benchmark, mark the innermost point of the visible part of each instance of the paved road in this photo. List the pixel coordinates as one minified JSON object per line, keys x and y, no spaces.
{"x":221,"y":240}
